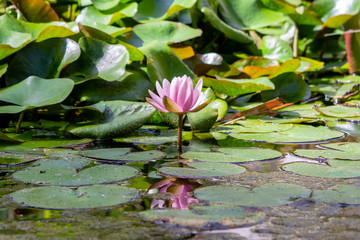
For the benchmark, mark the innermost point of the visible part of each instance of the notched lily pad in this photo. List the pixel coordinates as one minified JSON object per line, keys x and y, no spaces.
{"x":339,"y":111}
{"x":234,"y":155}
{"x":52,"y":197}
{"x":164,"y":137}
{"x":338,"y":194}
{"x":63,"y":173}
{"x":253,"y":126}
{"x":267,"y":195}
{"x":333,"y":169}
{"x":297,"y":134}
{"x":123,"y":155}
{"x":203,"y":170}
{"x":341,"y":150}
{"x":208,"y":217}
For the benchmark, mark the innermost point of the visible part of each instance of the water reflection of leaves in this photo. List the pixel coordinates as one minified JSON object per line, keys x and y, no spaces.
{"x":179,"y":191}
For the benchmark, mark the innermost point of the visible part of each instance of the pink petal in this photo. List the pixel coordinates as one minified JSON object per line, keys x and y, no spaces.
{"x":174,"y":89}
{"x":156,"y":98}
{"x":166,"y":87}
{"x":155,"y":105}
{"x":182,"y":94}
{"x":159,"y":90}
{"x":189,"y":95}
{"x":199,"y":85}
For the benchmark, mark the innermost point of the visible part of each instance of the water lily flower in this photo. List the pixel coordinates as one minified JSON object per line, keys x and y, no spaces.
{"x":179,"y":96}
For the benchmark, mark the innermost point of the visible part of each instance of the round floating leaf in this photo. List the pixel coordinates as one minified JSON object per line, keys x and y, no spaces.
{"x":345,"y":151}
{"x":15,"y":159}
{"x":62,"y":173}
{"x":339,"y":111}
{"x":275,"y":48}
{"x":253,"y":126}
{"x":334,"y":169}
{"x":164,"y":137}
{"x":83,"y":197}
{"x":209,"y":217}
{"x":267,"y":195}
{"x":203,"y":170}
{"x":234,"y":155}
{"x":123,"y":155}
{"x":297,"y":134}
{"x":37,"y":92}
{"x":338,"y":194}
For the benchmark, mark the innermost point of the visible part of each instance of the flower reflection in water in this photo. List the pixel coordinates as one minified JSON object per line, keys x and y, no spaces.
{"x":179,"y":191}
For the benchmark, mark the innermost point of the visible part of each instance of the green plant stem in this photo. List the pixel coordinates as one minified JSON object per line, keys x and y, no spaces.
{"x":18,"y":125}
{"x":179,"y":139}
{"x":295,"y":42}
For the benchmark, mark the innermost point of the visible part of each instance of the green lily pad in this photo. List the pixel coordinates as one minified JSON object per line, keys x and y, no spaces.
{"x":339,"y":111}
{"x":123,"y":155}
{"x":267,"y":195}
{"x":12,"y":159}
{"x":334,"y":169}
{"x":297,"y":134}
{"x":253,"y":126}
{"x":164,"y":137}
{"x":344,"y":151}
{"x":63,"y":173}
{"x":338,"y":194}
{"x":203,"y":170}
{"x":234,"y":155}
{"x":53,"y":197}
{"x":208,"y":217}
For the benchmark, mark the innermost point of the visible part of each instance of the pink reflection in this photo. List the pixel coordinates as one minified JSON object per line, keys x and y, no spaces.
{"x":179,"y":191}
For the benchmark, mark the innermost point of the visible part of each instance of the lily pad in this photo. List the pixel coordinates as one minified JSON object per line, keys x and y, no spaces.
{"x":338,"y":194}
{"x":209,"y":217}
{"x":123,"y":155}
{"x":62,"y":173}
{"x":53,"y":197}
{"x":333,"y":169}
{"x":12,"y":159}
{"x":344,"y":151}
{"x":234,"y":155}
{"x":164,"y":137}
{"x":267,"y":195}
{"x":297,"y":134}
{"x":339,"y":111}
{"x":203,"y":170}
{"x":253,"y":126}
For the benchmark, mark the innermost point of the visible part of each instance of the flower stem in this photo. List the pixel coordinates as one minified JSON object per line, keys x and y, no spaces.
{"x":179,"y":140}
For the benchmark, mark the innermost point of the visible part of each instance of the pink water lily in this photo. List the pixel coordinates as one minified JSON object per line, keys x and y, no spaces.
{"x":179,"y":96}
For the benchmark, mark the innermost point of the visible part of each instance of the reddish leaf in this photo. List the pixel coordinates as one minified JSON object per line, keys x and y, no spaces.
{"x":36,"y":11}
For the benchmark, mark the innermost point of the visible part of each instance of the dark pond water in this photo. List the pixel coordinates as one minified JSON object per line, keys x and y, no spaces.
{"x":264,"y":200}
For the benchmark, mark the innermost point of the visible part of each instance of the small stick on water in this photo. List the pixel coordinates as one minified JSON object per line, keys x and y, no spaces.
{"x":179,"y":140}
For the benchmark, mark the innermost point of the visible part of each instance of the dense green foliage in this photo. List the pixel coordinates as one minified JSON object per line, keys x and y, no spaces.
{"x":89,"y":63}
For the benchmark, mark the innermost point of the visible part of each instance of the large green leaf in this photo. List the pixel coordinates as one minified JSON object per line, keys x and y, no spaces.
{"x":105,"y":5}
{"x":342,"y":150}
{"x":163,"y":63}
{"x":229,"y":31}
{"x":63,"y":173}
{"x":208,"y":217}
{"x":335,"y":13}
{"x":150,"y":10}
{"x":99,"y":58}
{"x":338,"y":194}
{"x":333,"y":169}
{"x":267,"y":195}
{"x":235,"y":87}
{"x":203,"y":170}
{"x":250,"y":14}
{"x":297,"y":134}
{"x":36,"y":10}
{"x":162,"y":31}
{"x":83,"y":197}
{"x":120,"y":118}
{"x":275,"y":48}
{"x":133,"y":86}
{"x":45,"y":59}
{"x":37,"y":92}
{"x":289,"y":87}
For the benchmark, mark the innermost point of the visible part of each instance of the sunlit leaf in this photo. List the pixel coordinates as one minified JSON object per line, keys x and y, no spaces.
{"x":83,"y":197}
{"x":61,"y":173}
{"x":267,"y":195}
{"x":36,"y":10}
{"x":275,"y":48}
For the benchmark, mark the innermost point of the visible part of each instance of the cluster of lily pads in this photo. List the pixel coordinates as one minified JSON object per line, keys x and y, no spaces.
{"x":73,"y":72}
